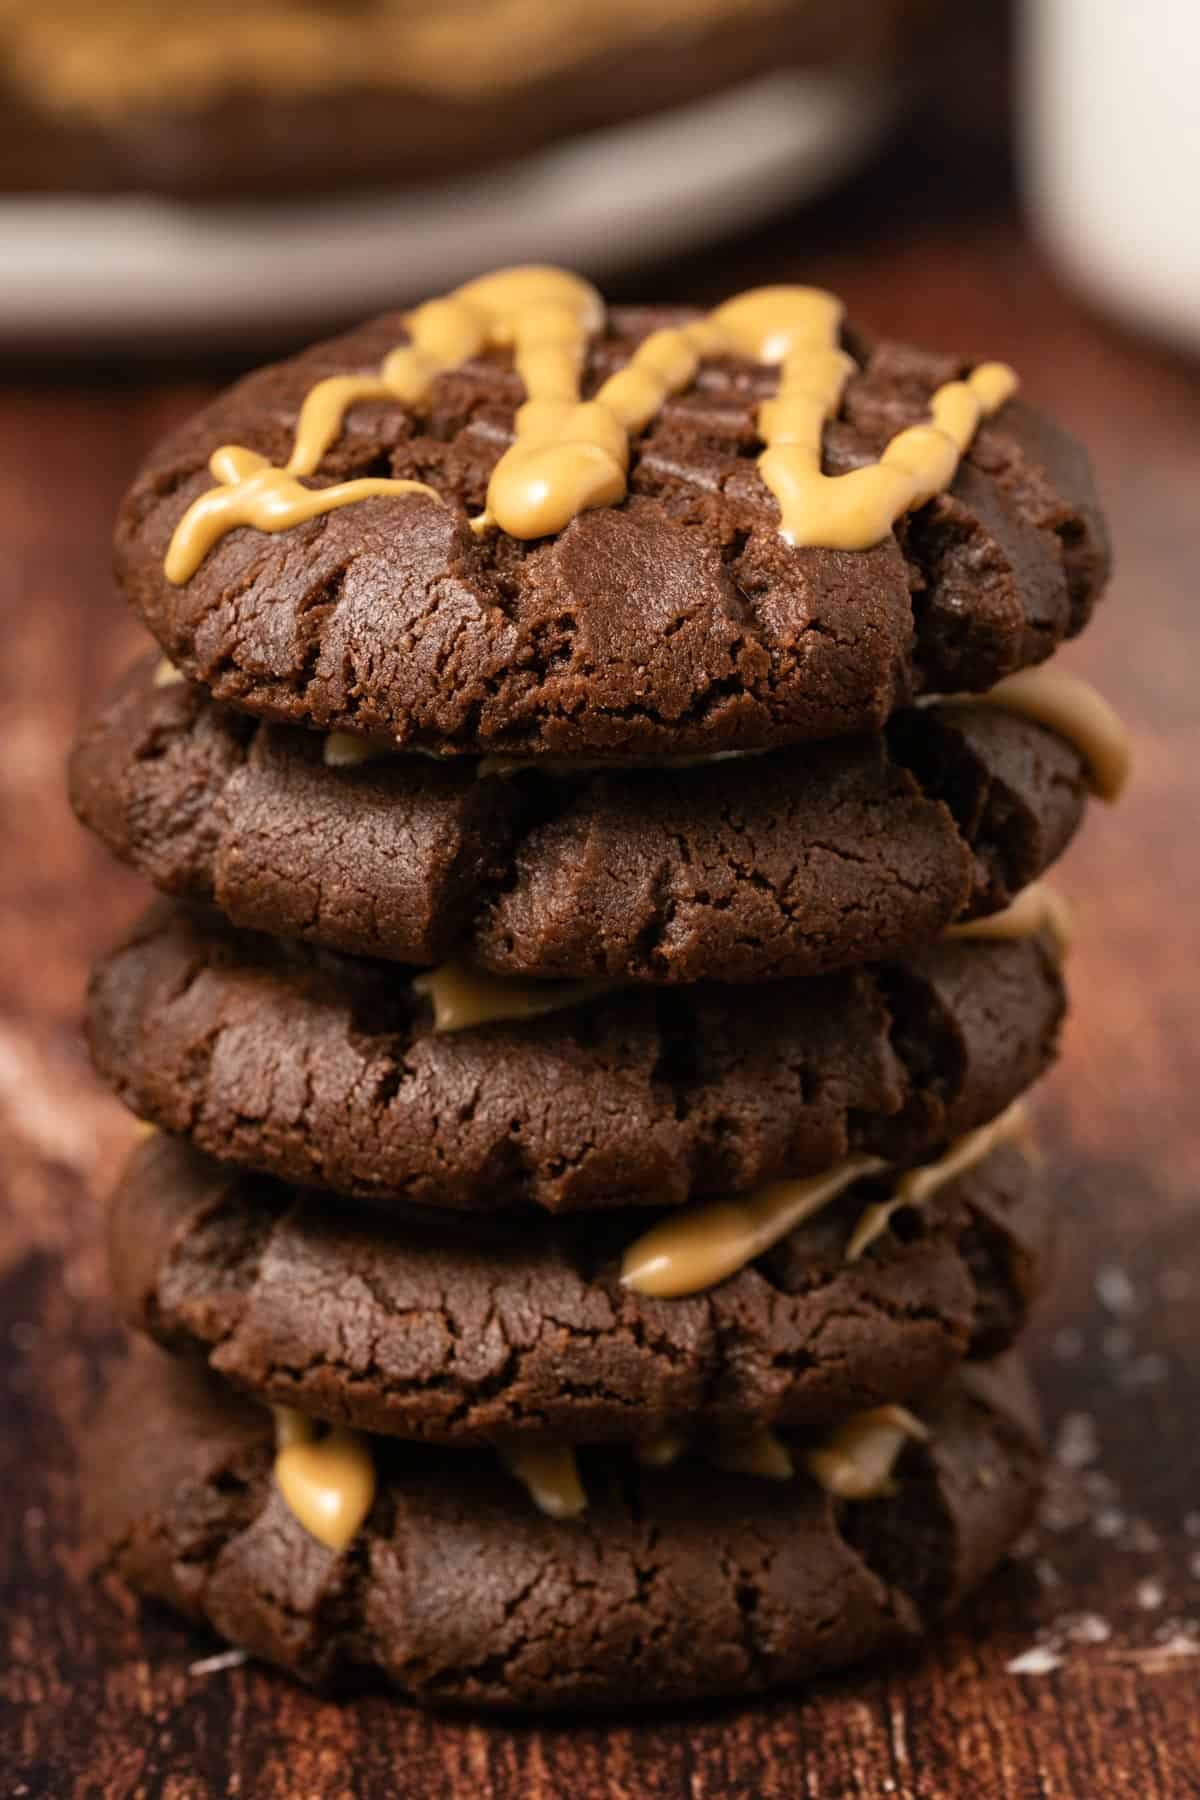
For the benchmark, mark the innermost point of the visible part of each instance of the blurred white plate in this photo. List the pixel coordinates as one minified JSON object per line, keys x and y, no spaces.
{"x":107,"y":269}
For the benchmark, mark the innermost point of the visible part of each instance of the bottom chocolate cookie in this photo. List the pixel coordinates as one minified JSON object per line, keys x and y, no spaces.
{"x":681,"y":1583}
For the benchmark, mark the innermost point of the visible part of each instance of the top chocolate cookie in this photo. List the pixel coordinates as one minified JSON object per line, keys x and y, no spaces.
{"x":510,"y":522}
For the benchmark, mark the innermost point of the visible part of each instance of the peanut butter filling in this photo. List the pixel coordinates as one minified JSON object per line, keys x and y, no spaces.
{"x":463,"y":996}
{"x":698,"y":1246}
{"x":551,"y":1477}
{"x":166,"y":674}
{"x":701,"y":1245}
{"x":327,"y":1481}
{"x":919,"y":1185}
{"x":1036,"y":909}
{"x":858,"y":1460}
{"x":660,"y":1452}
{"x":571,"y":454}
{"x":1071,"y":706}
{"x":764,"y":1455}
{"x":508,"y":766}
{"x":342,"y":750}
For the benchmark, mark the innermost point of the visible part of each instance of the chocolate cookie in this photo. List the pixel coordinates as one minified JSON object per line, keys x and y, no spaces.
{"x":680,"y":619}
{"x":677,"y":1584}
{"x":236,"y":100}
{"x":326,"y":1070}
{"x":759,"y":868}
{"x":505,"y":1331}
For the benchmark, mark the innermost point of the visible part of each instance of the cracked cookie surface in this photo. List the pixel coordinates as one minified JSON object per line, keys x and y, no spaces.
{"x":755,"y":869}
{"x":325,"y":1070}
{"x":519,"y":1330}
{"x":679,"y":621}
{"x":681,"y":1584}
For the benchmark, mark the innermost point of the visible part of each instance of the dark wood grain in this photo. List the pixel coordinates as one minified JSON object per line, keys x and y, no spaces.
{"x":100,"y":1701}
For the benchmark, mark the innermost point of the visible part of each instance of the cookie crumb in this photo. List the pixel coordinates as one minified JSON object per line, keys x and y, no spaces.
{"x":1077,"y":1444}
{"x":216,"y":1665}
{"x":1041,"y":1660}
{"x":1115,"y":1291}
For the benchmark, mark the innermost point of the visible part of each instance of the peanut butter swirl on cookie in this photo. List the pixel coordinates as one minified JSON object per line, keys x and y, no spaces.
{"x":570,"y":454}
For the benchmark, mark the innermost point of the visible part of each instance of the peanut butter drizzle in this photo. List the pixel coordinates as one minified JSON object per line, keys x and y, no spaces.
{"x":569,"y":455}
{"x":1073,"y":708}
{"x":1036,"y":909}
{"x":799,"y":329}
{"x":544,"y":315}
{"x":701,"y":1245}
{"x":463,"y":996}
{"x":552,"y":1479}
{"x":327,"y":1481}
{"x":252,"y":492}
{"x":857,"y":1461}
{"x":920,"y":1185}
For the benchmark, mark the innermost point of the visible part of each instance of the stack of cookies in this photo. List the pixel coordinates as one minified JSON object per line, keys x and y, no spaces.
{"x":600,"y":779}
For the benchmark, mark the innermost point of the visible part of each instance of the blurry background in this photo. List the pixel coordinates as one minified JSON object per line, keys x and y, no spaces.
{"x":233,"y":170}
{"x":1024,"y":193}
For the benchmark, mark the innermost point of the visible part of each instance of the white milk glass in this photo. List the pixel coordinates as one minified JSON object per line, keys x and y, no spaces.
{"x":1111,"y":119}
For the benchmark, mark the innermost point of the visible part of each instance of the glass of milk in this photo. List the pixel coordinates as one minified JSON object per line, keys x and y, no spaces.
{"x":1112,"y":152}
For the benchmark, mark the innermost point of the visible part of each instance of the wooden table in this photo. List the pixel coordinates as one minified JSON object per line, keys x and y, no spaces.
{"x":100,"y":1702}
